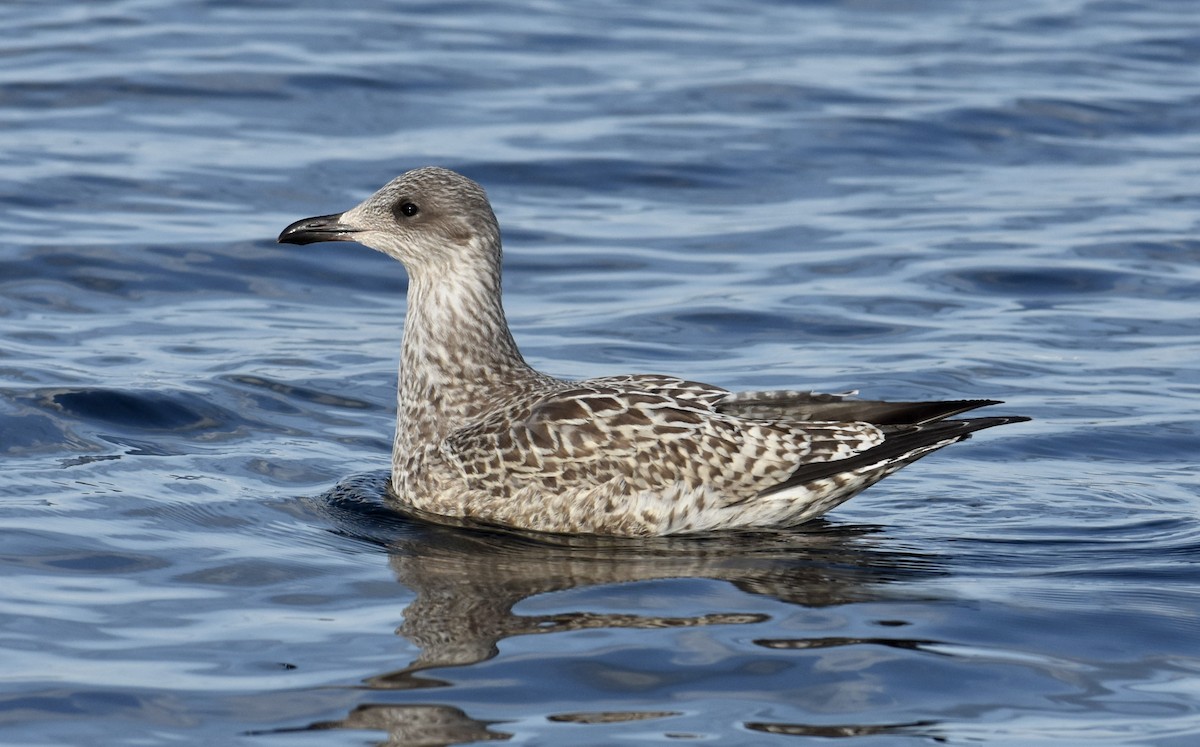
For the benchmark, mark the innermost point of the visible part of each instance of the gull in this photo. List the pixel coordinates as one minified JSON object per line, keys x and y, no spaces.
{"x":482,"y":437}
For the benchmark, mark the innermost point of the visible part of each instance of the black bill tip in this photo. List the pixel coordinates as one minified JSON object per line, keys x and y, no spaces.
{"x":320,"y":228}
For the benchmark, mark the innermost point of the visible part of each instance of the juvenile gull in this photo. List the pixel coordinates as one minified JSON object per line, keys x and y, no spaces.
{"x":481,"y":435}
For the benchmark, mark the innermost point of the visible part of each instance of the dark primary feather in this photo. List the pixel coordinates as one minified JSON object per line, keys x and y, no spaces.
{"x":811,"y":406}
{"x":902,"y":445}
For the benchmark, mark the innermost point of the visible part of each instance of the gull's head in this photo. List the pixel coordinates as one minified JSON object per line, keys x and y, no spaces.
{"x":429,"y":217}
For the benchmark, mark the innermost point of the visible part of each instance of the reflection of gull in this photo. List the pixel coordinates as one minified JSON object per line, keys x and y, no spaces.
{"x":467,"y":582}
{"x":480,"y":434}
{"x":416,"y":725}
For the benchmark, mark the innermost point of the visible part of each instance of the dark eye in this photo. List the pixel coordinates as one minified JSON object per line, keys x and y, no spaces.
{"x":409,"y":209}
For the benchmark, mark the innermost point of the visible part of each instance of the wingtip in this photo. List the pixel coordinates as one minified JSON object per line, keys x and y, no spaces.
{"x":1016,"y":418}
{"x":969,"y":426}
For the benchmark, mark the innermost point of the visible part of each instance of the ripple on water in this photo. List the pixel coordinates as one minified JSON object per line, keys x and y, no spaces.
{"x":148,"y":410}
{"x":904,"y":198}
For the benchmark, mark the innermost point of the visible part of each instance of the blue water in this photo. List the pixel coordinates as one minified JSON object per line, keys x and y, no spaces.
{"x":921,"y":199}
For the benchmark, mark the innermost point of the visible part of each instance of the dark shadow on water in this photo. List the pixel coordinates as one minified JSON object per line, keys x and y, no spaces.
{"x":467,"y":580}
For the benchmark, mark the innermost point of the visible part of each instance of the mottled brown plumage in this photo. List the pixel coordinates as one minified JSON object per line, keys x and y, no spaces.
{"x":482,"y":435}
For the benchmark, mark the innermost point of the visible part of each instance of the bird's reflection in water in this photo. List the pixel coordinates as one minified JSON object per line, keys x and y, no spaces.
{"x":467,"y":581}
{"x":419,"y":725}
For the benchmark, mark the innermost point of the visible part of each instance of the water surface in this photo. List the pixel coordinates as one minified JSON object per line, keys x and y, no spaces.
{"x":929,"y":199}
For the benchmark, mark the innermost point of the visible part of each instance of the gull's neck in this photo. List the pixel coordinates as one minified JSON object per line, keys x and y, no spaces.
{"x":458,"y":357}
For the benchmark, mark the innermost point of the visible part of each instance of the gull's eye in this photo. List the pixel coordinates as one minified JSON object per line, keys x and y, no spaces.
{"x":407,"y":209}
